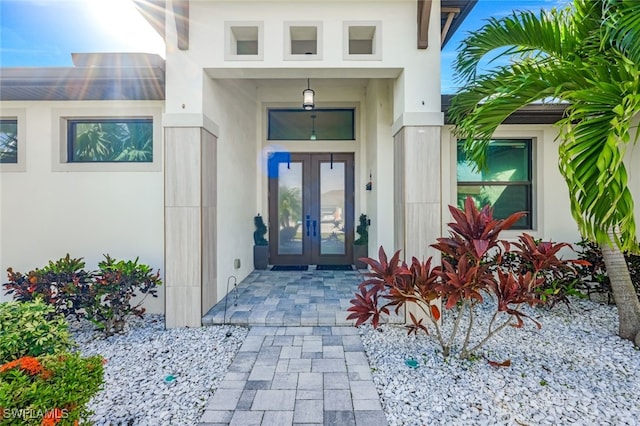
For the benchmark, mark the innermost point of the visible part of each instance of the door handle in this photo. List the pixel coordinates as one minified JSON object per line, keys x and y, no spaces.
{"x":315,"y":223}
{"x":308,"y":224}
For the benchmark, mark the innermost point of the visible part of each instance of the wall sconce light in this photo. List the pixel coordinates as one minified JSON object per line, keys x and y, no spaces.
{"x":313,"y":127}
{"x":307,"y":97}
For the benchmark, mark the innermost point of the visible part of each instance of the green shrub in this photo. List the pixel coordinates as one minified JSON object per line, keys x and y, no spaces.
{"x":594,"y":276}
{"x":103,"y":296}
{"x":560,"y":281}
{"x":117,"y":283}
{"x":30,"y":328}
{"x":49,"y":390}
{"x":63,"y":284}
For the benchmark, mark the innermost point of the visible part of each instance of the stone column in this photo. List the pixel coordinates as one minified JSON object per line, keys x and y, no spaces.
{"x":190,"y":221}
{"x":418,"y":198}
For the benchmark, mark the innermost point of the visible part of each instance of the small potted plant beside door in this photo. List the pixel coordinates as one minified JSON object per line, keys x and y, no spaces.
{"x":361,"y":244}
{"x":261,"y":245}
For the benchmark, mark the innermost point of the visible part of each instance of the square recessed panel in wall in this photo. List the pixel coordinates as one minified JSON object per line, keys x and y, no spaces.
{"x":243,"y":41}
{"x":362,"y":40}
{"x":303,"y":40}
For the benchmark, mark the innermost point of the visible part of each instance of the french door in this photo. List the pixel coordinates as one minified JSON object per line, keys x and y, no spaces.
{"x":310,"y":208}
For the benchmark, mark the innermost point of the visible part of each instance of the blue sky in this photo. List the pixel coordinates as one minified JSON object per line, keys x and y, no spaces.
{"x":46,"y":32}
{"x":483,"y":10}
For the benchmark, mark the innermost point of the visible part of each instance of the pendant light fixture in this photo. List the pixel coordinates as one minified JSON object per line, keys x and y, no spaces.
{"x":313,"y":127}
{"x":307,"y":98}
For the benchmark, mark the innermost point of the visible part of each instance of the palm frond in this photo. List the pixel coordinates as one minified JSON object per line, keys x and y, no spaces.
{"x":622,"y":27}
{"x":479,"y":109}
{"x":520,"y":33}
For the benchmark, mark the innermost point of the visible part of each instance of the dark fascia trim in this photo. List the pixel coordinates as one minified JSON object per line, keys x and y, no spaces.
{"x":424,"y":14}
{"x":465,"y":7}
{"x":181,"y":12}
{"x":530,"y":114}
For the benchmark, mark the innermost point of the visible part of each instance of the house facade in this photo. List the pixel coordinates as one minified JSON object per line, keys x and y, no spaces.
{"x":226,"y":136}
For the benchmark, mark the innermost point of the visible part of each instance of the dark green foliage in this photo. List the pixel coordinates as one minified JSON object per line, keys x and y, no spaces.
{"x":260,"y":232}
{"x":561,"y":279}
{"x":594,"y":278}
{"x":117,"y":283}
{"x":363,"y":231}
{"x":63,"y":284}
{"x":104,"y":296}
{"x":31,"y":328}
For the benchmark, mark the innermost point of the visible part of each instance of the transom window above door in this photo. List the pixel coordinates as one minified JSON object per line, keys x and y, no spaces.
{"x":321,"y":124}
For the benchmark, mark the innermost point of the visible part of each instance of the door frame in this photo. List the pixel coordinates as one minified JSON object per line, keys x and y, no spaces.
{"x":311,"y":205}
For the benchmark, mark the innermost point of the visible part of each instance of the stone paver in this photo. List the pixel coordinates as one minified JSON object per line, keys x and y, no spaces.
{"x":303,"y":362}
{"x":289,"y":298}
{"x":268,"y":385}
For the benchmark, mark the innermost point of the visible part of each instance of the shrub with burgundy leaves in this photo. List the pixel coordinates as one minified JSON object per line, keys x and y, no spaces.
{"x":471,"y":269}
{"x":106,"y":297}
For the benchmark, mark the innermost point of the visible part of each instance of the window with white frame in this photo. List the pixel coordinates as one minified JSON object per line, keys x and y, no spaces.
{"x":96,"y":140}
{"x":506,"y":185}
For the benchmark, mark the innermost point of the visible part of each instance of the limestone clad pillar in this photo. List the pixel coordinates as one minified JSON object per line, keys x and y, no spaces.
{"x":418,"y":197}
{"x":190,"y":223}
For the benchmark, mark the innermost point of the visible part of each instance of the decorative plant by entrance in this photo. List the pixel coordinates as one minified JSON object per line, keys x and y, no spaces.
{"x":361,"y":244}
{"x":261,"y":245}
{"x":472,"y":267}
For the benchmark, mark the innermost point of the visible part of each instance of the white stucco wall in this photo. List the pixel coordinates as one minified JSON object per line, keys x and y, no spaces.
{"x":418,"y":89}
{"x":45,"y":214}
{"x":231,"y":104}
{"x":379,"y":163}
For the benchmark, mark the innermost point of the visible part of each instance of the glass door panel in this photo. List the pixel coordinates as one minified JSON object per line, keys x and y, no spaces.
{"x":290,"y":208}
{"x":310,"y":208}
{"x":332,"y":203}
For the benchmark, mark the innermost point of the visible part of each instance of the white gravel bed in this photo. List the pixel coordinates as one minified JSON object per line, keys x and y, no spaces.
{"x":574,"y":370}
{"x":139,"y":361}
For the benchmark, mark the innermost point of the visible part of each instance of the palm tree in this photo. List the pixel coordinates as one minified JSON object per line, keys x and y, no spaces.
{"x":587,"y":55}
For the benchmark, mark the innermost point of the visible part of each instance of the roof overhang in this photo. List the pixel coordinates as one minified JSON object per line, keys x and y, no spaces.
{"x":452,"y":14}
{"x":95,"y":76}
{"x":536,"y":113}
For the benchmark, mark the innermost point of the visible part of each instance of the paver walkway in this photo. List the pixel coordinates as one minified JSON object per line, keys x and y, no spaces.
{"x":302,"y":361}
{"x":288,"y":298}
{"x":284,"y":298}
{"x":297,"y":375}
